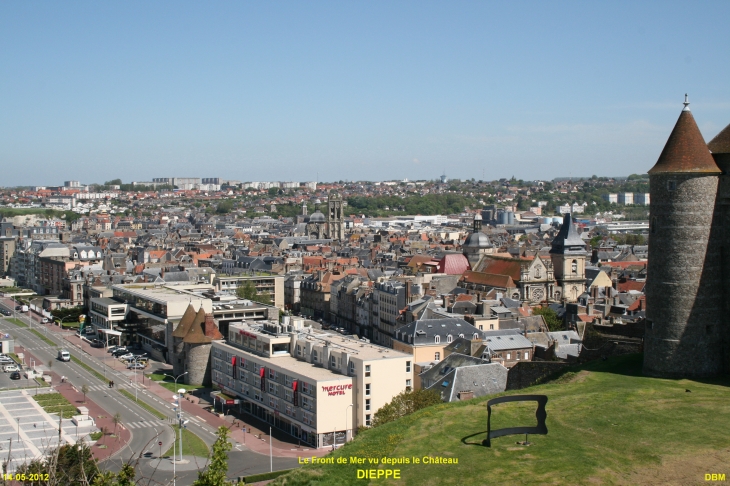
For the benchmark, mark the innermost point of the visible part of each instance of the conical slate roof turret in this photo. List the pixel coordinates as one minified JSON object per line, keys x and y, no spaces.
{"x":721,"y":143}
{"x":685,"y":150}
{"x":568,"y":242}
{"x":184,"y":325}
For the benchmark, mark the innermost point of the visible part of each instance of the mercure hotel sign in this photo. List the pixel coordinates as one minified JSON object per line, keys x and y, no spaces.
{"x":336,"y":389}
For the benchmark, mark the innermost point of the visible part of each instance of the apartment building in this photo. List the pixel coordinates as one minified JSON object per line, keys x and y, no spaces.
{"x":316,"y":386}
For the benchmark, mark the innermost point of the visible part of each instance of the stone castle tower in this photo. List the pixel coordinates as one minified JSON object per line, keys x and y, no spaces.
{"x":568,"y":255}
{"x":192,"y":342}
{"x":688,"y":273}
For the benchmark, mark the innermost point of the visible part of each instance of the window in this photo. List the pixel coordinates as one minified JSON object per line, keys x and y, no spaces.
{"x":367,"y":420}
{"x":367,"y":389}
{"x":519,"y":355}
{"x":449,"y":338}
{"x":272,"y":374}
{"x":437,"y":356}
{"x":352,"y":367}
{"x":314,"y":355}
{"x":408,"y":385}
{"x":332,"y":362}
{"x":367,"y":370}
{"x":367,"y":404}
{"x":306,"y":403}
{"x":508,"y":355}
{"x":272,"y":388}
{"x":437,"y":339}
{"x":299,"y":350}
{"x":527,"y":355}
{"x":408,"y":366}
{"x":671,"y":185}
{"x":574,"y":266}
{"x":491,"y":326}
{"x":476,"y":335}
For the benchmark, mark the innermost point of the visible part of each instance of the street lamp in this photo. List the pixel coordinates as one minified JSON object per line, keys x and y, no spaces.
{"x":350,"y":405}
{"x":178,"y":404}
{"x":135,"y":361}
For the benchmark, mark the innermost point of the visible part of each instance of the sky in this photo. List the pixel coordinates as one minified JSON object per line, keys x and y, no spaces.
{"x":355,"y":90}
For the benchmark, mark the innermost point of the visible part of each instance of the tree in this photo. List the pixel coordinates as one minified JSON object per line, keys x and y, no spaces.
{"x":217,"y":470}
{"x":125,"y":477}
{"x":404,"y":404}
{"x":117,"y":419}
{"x":246,"y":291}
{"x":84,"y":390}
{"x":224,"y":207}
{"x":551,"y":318}
{"x":67,"y":465}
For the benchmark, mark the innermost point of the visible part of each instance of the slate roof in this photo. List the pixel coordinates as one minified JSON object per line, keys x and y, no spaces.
{"x":685,"y":150}
{"x":506,"y":342}
{"x":480,"y":379}
{"x":567,"y":241}
{"x":424,"y":331}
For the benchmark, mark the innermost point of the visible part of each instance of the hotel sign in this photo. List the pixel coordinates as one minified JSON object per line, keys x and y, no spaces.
{"x":247,"y":334}
{"x":336,"y":389}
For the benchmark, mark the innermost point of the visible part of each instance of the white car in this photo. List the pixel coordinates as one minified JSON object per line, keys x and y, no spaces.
{"x":10,"y":368}
{"x":6,"y":360}
{"x":45,"y":320}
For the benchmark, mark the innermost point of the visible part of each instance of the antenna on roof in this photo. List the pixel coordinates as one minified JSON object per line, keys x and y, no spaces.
{"x":686,"y":103}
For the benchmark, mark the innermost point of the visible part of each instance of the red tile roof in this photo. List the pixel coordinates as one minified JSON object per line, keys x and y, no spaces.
{"x":685,"y":150}
{"x":489,"y":279}
{"x":453,"y":264}
{"x":721,"y":143}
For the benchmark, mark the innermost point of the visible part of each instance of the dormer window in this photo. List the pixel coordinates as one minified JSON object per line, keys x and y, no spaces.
{"x":437,"y":339}
{"x":449,"y":338}
{"x":314,"y":355}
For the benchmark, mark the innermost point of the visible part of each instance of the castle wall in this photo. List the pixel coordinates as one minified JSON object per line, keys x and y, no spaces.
{"x":177,"y":358}
{"x":684,"y":299}
{"x":197,"y":364}
{"x":723,"y":206}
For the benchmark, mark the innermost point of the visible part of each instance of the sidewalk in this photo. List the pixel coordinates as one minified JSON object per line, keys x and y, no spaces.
{"x":282,"y":444}
{"x":102,"y":418}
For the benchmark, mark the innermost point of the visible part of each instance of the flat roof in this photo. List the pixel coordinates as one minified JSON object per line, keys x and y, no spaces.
{"x":107,"y":301}
{"x":293,"y":365}
{"x":161,"y":294}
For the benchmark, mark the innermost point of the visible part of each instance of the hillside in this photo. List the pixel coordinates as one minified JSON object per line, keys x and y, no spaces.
{"x":607,"y":425}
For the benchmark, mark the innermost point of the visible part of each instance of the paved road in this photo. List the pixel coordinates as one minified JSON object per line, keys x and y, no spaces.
{"x":145,"y":428}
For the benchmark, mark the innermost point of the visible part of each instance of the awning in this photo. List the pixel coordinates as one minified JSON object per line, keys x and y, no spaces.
{"x":111,"y":332}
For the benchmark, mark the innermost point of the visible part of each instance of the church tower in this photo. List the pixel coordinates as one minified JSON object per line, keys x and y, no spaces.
{"x":477,"y":243}
{"x":335,"y":222}
{"x":684,"y":296}
{"x":568,"y":254}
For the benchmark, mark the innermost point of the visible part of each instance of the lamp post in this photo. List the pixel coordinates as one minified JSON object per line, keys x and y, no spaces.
{"x":178,"y":404}
{"x":136,"y":361}
{"x":350,"y":405}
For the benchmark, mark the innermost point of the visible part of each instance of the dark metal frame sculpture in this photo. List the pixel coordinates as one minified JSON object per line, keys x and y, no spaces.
{"x":540,"y":414}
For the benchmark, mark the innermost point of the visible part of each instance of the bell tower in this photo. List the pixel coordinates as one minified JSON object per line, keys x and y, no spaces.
{"x":335,"y":223}
{"x":568,"y":254}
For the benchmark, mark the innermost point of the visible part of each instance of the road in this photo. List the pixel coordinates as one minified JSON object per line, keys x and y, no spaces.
{"x":145,"y":428}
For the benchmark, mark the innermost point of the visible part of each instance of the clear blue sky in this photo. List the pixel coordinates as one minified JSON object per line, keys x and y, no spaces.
{"x":352,"y":90}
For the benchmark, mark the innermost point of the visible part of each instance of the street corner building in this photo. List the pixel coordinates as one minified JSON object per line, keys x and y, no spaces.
{"x":316,"y":386}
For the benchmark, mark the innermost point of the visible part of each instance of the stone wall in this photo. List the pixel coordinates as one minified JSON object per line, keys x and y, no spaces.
{"x":684,"y":297}
{"x":527,"y":373}
{"x":197,"y":364}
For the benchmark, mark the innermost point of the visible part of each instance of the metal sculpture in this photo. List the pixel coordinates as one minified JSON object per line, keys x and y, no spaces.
{"x":540,"y":414}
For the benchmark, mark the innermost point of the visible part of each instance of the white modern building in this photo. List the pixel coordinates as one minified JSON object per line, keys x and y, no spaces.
{"x":316,"y":386}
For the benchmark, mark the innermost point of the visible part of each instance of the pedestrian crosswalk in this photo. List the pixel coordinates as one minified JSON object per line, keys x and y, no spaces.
{"x":143,"y":424}
{"x":106,"y":387}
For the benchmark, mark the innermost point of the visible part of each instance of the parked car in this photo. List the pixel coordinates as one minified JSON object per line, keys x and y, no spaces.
{"x":45,"y":320}
{"x":6,"y":360}
{"x":15,"y":375}
{"x":10,"y":368}
{"x":5,"y":312}
{"x":116,"y":348}
{"x":136,"y":366}
{"x":128,"y":356}
{"x":97,"y":343}
{"x":120,"y":351}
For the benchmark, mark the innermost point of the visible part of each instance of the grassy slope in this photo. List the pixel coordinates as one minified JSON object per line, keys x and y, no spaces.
{"x":604,"y":422}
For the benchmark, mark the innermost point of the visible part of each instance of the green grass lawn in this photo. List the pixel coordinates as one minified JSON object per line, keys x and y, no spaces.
{"x":17,"y":322}
{"x":55,"y":403}
{"x":192,"y":444}
{"x":169,"y":383}
{"x":607,"y":424}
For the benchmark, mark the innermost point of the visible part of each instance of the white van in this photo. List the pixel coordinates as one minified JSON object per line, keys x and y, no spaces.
{"x":64,"y":355}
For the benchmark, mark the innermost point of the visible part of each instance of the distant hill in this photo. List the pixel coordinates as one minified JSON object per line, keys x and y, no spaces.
{"x":607,"y":425}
